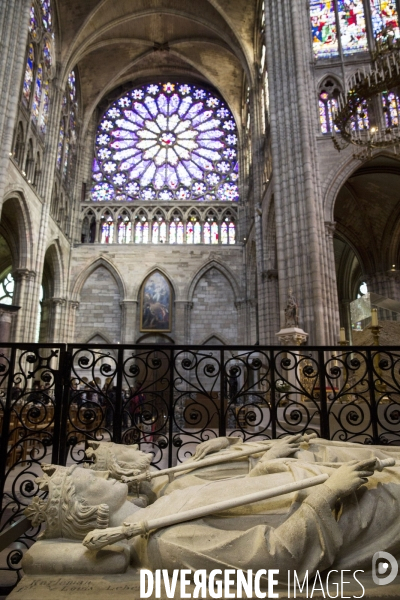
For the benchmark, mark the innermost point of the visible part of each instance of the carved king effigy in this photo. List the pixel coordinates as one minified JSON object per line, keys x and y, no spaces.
{"x":315,"y":505}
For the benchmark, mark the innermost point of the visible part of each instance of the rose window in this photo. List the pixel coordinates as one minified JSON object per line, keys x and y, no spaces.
{"x":166,"y":142}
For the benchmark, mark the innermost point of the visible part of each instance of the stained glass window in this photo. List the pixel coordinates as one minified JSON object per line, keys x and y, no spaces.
{"x":66,"y":157}
{"x":124,"y":230}
{"x":163,"y":232}
{"x":323,"y":27}
{"x":224,"y":233}
{"x":167,"y":142}
{"x":214,"y":232}
{"x":46,"y":14}
{"x":384,"y":14}
{"x":33,"y":26}
{"x":391,"y":105}
{"x":107,"y":229}
{"x":47,"y":54}
{"x":207,"y":232}
{"x":37,"y":95}
{"x":327,"y":106}
{"x":7,"y":289}
{"x":44,"y":117}
{"x":326,"y":26}
{"x":72,"y":85}
{"x":28,"y":78}
{"x":60,"y":144}
{"x":172,"y":232}
{"x":232,"y":233}
{"x":361,"y":121}
{"x":154,"y":236}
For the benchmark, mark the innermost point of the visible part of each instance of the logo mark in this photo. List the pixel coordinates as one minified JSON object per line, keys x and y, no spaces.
{"x":383,"y":567}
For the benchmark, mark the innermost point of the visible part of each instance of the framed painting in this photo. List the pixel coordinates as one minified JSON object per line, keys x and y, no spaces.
{"x":156,"y":304}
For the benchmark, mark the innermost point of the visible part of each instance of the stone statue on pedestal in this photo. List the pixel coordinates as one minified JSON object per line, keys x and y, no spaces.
{"x":291,"y":311}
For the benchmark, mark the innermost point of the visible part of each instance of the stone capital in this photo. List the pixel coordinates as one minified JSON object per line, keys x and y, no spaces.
{"x":330,"y":227}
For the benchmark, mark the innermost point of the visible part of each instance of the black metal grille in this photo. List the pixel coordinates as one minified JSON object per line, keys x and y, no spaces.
{"x":54,"y":398}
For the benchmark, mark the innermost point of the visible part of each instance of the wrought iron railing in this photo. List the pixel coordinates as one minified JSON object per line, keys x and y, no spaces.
{"x":54,"y":398}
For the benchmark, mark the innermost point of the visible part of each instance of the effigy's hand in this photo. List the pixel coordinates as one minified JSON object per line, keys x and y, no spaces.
{"x":349,"y":477}
{"x":283,"y":447}
{"x":99,"y":538}
{"x":210,"y":446}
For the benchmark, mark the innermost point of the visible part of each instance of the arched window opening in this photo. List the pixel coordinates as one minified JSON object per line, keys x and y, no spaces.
{"x":391,"y":104}
{"x":19,"y":144}
{"x":159,"y":228}
{"x":124,"y":228}
{"x":28,"y":77}
{"x":211,"y":229}
{"x":66,"y":150}
{"x":362,"y":289}
{"x":29,"y":163}
{"x":361,"y":121}
{"x":88,"y":229}
{"x":107,"y":228}
{"x":193,"y":229}
{"x":164,"y":142}
{"x":7,"y":289}
{"x":228,"y":230}
{"x":141,"y":228}
{"x":38,"y":171}
{"x":327,"y":101}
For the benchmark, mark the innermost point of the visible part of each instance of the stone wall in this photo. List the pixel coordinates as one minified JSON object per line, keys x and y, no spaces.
{"x":213,"y":312}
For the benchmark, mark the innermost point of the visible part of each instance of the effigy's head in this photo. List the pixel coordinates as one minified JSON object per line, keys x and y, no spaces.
{"x":78,"y":501}
{"x":119,"y":459}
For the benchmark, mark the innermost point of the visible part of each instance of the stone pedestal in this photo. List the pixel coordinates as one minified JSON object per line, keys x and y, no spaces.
{"x":292,"y":336}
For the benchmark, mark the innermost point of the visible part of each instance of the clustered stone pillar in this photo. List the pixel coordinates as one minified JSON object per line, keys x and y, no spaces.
{"x":7,"y":315}
{"x":304,"y":260}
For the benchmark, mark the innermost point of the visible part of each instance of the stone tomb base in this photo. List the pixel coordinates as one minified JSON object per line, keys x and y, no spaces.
{"x":126,"y":586}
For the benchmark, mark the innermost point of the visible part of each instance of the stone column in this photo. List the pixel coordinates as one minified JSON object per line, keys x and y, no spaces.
{"x":21,"y":325}
{"x":129,"y":312}
{"x":301,"y":248}
{"x":241,"y":306}
{"x":14,"y":23}
{"x":71,"y":321}
{"x":57,"y":306}
{"x":182,"y":320}
{"x":7,"y":314}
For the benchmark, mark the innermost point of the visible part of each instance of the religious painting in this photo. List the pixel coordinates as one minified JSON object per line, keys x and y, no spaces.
{"x":155,"y":305}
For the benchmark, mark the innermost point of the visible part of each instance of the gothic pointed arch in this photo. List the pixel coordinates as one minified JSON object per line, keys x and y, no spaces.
{"x":17,"y":227}
{"x":223,"y":269}
{"x":99,"y":262}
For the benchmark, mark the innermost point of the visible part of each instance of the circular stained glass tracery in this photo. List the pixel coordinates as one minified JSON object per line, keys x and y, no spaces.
{"x":166,"y":142}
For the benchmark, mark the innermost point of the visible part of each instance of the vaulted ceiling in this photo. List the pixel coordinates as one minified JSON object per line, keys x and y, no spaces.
{"x":119,"y":42}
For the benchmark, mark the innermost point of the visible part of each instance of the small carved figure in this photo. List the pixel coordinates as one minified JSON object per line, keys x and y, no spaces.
{"x":291,"y":311}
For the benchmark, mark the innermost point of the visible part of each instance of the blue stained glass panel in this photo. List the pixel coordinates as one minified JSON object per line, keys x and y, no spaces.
{"x":323,"y":28}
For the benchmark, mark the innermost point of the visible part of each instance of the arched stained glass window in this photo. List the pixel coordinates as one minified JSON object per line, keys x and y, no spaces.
{"x":44,"y":117}
{"x":361,"y":122}
{"x":326,"y":109}
{"x":207,"y":232}
{"x":167,"y":142}
{"x":66,"y":156}
{"x":384,"y":14}
{"x":228,"y":231}
{"x":46,"y":14}
{"x":72,"y":86}
{"x":37,"y":95}
{"x":33,"y":24}
{"x":172,"y":232}
{"x":107,"y":229}
{"x":124,"y":230}
{"x":232,"y":233}
{"x":391,"y":105}
{"x":28,"y":78}
{"x":47,"y":54}
{"x":60,"y":144}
